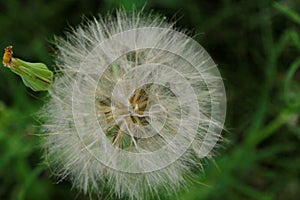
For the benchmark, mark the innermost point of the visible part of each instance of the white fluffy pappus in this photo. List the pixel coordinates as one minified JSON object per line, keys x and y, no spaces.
{"x":134,"y":107}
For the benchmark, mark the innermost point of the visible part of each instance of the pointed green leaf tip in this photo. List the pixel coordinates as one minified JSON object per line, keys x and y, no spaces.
{"x":34,"y":75}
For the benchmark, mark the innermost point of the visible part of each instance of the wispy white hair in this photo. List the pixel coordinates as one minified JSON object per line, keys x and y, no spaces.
{"x":135,"y":105}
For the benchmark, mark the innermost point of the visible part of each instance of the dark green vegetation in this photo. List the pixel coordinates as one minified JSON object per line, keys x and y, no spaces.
{"x":256,"y":45}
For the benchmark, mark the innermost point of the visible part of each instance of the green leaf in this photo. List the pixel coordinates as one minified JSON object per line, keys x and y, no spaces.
{"x":288,"y":12}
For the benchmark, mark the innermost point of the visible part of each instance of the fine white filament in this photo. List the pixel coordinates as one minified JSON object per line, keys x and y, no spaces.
{"x":134,"y":107}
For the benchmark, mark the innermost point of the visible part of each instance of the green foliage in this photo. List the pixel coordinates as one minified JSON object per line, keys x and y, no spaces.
{"x":256,"y":45}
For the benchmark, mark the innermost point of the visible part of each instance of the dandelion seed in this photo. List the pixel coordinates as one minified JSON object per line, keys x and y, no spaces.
{"x":137,"y":105}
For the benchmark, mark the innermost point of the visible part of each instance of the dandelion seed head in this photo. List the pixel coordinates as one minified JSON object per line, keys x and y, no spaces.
{"x":136,"y":105}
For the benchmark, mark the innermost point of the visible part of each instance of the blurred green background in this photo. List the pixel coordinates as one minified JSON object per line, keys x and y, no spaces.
{"x":256,"y":45}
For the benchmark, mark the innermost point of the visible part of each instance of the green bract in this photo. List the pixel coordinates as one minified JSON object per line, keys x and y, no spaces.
{"x":34,"y":75}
